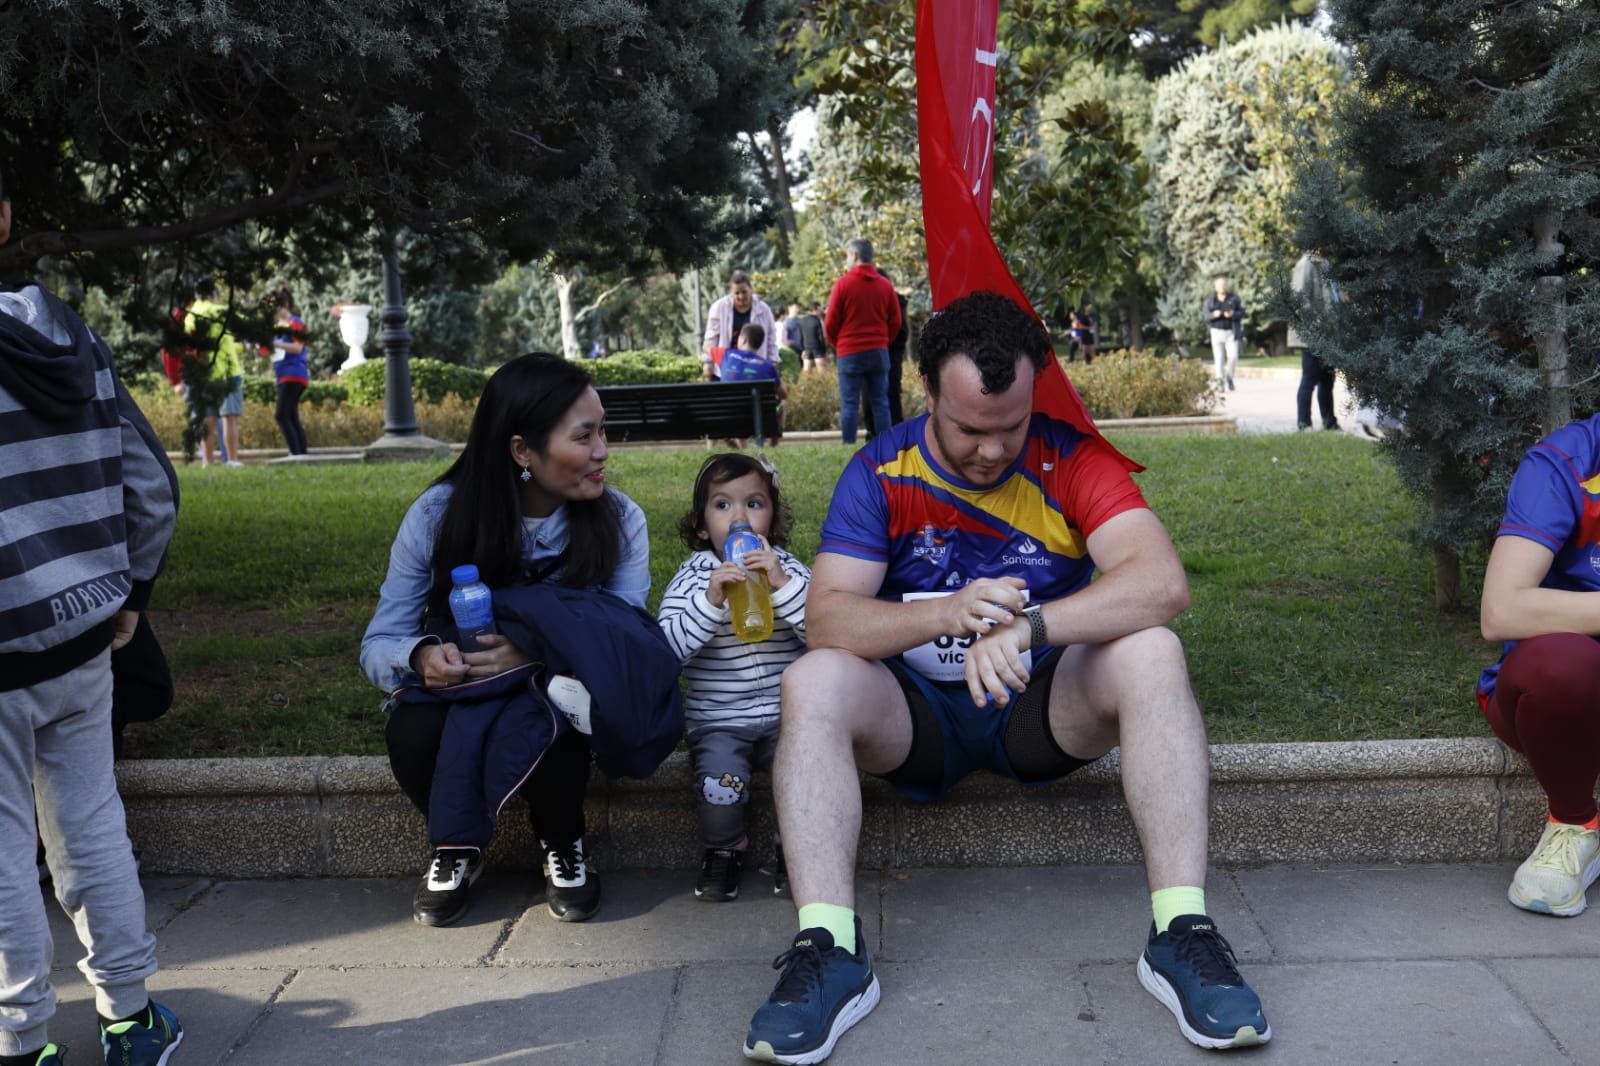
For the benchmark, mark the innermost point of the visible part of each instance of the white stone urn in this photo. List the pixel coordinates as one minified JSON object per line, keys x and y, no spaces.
{"x":354,"y":328}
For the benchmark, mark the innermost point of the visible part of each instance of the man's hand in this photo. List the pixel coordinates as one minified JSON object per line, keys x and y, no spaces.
{"x":994,"y":664}
{"x":497,"y":656}
{"x":439,"y":664}
{"x":982,"y":605}
{"x":125,"y":622}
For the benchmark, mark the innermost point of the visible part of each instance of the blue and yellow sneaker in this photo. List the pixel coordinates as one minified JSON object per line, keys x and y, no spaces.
{"x":142,"y":1042}
{"x":1191,"y":969}
{"x":823,"y":991}
{"x":50,"y":1055}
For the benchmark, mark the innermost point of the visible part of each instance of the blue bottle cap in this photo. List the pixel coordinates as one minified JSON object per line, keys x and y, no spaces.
{"x":464,"y":575}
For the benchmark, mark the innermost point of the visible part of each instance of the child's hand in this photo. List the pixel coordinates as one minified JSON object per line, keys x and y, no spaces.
{"x":723,"y":576}
{"x":766,"y":561}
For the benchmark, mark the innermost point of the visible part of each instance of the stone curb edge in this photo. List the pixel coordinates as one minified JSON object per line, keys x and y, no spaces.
{"x":1449,"y":800}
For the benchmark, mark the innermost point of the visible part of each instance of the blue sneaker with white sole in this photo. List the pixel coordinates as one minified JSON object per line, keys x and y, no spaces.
{"x":149,"y":1041}
{"x":1191,"y":969}
{"x":823,"y":991}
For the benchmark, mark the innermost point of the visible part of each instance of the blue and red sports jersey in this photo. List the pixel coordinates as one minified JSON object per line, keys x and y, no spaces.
{"x":1555,"y":501}
{"x":740,"y":364}
{"x":895,"y":504}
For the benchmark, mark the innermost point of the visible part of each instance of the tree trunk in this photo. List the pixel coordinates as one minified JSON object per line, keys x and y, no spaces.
{"x":1446,"y":579}
{"x":1446,"y":563}
{"x":569,"y":323}
{"x":1135,"y":319}
{"x":1550,"y":291}
{"x":780,"y":174}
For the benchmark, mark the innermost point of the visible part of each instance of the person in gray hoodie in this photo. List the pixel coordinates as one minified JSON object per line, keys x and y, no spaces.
{"x":88,"y":502}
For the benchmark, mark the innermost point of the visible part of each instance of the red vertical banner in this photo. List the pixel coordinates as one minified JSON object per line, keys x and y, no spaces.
{"x":956,"y":61}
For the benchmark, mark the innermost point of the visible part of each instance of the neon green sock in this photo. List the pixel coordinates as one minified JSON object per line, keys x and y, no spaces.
{"x":837,"y":920}
{"x":1168,"y":903}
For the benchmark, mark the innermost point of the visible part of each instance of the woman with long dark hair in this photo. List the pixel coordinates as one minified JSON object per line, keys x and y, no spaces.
{"x":525,"y":502}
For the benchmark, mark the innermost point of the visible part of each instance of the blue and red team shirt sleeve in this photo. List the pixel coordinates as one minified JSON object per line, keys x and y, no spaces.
{"x":1544,"y":503}
{"x":858,"y":515}
{"x":1093,"y":486}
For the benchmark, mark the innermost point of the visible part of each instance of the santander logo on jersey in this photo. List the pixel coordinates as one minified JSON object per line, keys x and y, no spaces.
{"x":1026,"y":554}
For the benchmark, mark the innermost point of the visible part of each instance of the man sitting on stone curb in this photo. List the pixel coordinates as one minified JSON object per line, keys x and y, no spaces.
{"x":953,"y":627}
{"x":1543,"y":696}
{"x":87,"y":504}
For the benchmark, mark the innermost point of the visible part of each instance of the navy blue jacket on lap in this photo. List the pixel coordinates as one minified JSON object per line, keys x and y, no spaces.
{"x":498,"y":728}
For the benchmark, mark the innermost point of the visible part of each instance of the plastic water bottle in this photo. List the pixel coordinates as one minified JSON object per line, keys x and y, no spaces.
{"x":472,"y":606}
{"x":750,"y":601}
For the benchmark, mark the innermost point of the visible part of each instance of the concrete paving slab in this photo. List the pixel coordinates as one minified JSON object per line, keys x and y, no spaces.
{"x":1360,"y":1014}
{"x":216,"y":1008}
{"x":592,"y":1016}
{"x":652,"y":916}
{"x":164,"y":899}
{"x":1561,"y":994}
{"x":1074,"y":914}
{"x":366,"y":923}
{"x":1400,"y":912}
{"x":931,"y":1013}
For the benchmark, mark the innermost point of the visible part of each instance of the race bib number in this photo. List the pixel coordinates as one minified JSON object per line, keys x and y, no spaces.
{"x":945,"y":658}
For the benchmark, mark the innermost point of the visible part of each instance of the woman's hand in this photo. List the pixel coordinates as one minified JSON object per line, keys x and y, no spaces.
{"x":439,"y":664}
{"x":497,"y":656}
{"x":722,"y":578}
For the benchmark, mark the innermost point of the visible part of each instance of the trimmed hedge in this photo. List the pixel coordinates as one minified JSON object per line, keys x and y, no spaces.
{"x":431,"y":380}
{"x":317,"y":394}
{"x":1142,"y":383}
{"x":644,"y":366}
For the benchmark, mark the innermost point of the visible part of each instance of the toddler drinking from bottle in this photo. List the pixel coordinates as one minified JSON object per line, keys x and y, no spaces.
{"x":732,"y":701}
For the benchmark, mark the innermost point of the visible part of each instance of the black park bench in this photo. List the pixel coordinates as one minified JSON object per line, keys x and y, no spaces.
{"x":715,"y":409}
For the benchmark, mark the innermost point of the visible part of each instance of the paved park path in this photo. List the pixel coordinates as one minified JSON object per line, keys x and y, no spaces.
{"x":1368,"y":965}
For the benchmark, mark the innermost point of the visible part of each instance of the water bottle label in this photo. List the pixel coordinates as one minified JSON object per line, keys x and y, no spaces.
{"x":571,"y":698}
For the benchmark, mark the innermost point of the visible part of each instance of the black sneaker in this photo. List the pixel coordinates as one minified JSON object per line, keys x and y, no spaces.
{"x":571,"y":889}
{"x":780,"y":873}
{"x":442,"y":896}
{"x":719,"y":875}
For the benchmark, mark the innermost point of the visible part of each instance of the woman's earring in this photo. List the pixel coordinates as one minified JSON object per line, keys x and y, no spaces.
{"x":527,"y":475}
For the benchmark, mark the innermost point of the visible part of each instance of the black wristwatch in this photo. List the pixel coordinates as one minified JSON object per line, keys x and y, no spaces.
{"x":1039,"y":636}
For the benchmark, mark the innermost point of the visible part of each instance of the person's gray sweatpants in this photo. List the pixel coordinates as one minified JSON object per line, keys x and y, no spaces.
{"x":723,"y":758}
{"x":55,"y":740}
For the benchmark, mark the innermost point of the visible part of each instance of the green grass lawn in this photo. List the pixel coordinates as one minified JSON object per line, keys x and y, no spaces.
{"x":1312,"y":615}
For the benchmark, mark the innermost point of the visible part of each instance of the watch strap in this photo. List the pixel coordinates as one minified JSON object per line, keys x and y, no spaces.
{"x":1038,"y":634}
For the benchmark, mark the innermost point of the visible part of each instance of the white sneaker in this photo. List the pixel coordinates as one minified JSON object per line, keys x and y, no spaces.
{"x":1552,"y":880}
{"x":235,"y":462}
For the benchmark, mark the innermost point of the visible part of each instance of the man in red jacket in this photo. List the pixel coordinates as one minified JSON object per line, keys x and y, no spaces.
{"x":863,"y":317}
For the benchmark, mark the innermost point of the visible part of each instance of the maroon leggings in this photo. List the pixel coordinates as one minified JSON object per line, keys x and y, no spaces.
{"x":1546,"y":704}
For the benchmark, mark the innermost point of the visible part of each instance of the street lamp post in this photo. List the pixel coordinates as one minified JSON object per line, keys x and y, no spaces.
{"x":402,"y":439}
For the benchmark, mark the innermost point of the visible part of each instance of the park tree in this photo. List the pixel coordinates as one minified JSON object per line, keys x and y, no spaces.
{"x":1171,"y":31}
{"x":1465,"y":236}
{"x":1226,"y":131}
{"x":589,"y":131}
{"x":1063,"y":211}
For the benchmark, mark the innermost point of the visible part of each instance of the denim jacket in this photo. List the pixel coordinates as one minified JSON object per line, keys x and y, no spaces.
{"x":396,"y":626}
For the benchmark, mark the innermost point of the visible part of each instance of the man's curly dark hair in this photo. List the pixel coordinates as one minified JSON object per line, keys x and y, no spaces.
{"x":990,"y":330}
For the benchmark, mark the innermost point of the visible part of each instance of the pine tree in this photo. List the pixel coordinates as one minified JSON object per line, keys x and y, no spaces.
{"x":1464,"y":237}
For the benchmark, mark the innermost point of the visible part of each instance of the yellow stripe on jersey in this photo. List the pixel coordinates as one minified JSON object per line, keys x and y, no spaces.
{"x":1592,"y":486}
{"x":1018,"y":502}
